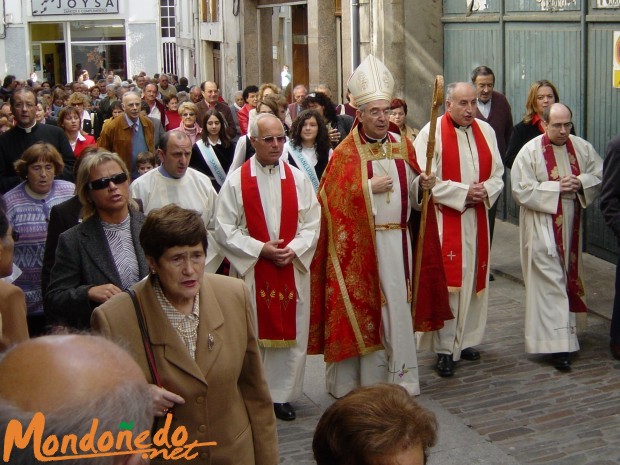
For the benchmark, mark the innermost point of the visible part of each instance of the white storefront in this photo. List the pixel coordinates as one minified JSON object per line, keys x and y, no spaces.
{"x":54,"y":38}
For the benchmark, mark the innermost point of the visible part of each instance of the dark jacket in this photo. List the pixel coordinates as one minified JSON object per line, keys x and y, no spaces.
{"x":500,"y":119}
{"x":16,"y":140}
{"x":84,"y":260}
{"x":610,"y":191}
{"x":225,"y":157}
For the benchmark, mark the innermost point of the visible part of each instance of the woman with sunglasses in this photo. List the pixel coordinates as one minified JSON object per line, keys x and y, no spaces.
{"x":101,"y":256}
{"x":28,"y":209}
{"x":188,"y":112}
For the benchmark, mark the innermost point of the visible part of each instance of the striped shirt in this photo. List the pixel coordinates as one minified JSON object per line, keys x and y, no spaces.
{"x":123,"y":251}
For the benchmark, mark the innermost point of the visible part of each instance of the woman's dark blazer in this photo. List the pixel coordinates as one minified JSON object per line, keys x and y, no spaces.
{"x":224,"y":155}
{"x":84,"y":260}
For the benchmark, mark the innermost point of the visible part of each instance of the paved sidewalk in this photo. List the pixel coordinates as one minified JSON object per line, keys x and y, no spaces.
{"x":509,"y":407}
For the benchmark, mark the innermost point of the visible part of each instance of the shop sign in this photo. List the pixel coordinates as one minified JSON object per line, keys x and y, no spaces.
{"x":73,"y":7}
{"x":608,"y":3}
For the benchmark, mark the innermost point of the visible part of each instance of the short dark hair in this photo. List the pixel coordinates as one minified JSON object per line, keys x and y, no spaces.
{"x":329,"y":110}
{"x":171,"y":226}
{"x":8,"y":80}
{"x":249,"y":90}
{"x":398,"y":103}
{"x":146,"y":157}
{"x":371,"y":422}
{"x":23,"y":90}
{"x":39,"y":151}
{"x":482,"y":71}
{"x":183,"y":81}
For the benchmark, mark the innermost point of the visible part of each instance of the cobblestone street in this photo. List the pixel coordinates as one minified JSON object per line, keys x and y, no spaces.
{"x":509,"y":407}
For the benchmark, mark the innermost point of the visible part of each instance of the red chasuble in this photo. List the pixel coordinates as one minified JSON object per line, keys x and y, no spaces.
{"x":346,"y":297}
{"x":276,"y":294}
{"x":574,"y":286}
{"x":452,"y":245}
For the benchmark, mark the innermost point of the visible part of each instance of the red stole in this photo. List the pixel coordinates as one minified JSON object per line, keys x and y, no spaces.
{"x":452,"y":245}
{"x":574,"y":286}
{"x":276,"y":294}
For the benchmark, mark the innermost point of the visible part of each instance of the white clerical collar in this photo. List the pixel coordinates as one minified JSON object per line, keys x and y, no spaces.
{"x":28,"y":130}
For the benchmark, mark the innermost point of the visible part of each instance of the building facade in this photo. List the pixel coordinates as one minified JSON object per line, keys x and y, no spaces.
{"x":55,"y":39}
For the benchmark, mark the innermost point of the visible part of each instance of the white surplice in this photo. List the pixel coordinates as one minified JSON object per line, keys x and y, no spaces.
{"x":398,"y":363}
{"x":468,"y":307}
{"x":284,"y":367}
{"x":549,"y":326}
{"x":193,"y":191}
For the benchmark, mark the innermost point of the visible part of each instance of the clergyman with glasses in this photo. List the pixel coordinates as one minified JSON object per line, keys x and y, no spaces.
{"x":554,"y":177}
{"x":362,"y":272}
{"x":267,"y":223}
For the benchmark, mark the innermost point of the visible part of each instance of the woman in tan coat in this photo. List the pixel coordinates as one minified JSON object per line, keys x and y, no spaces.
{"x":201,"y":333}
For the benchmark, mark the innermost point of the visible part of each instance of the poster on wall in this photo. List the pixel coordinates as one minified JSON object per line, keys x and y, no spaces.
{"x":616,"y":69}
{"x":73,"y":7}
{"x":608,"y":3}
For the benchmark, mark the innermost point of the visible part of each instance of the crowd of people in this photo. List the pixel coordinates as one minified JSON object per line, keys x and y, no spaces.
{"x":129,"y":207}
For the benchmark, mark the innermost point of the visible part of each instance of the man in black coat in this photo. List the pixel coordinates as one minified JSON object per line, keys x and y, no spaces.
{"x":26,"y":133}
{"x":610,"y":206}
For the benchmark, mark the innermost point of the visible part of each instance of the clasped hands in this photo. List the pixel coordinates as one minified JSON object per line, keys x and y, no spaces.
{"x":570,"y":184}
{"x":476,"y":194}
{"x":280,"y":257}
{"x":383,"y":184}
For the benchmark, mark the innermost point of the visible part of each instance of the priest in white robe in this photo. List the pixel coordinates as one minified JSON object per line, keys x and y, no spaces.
{"x":175,"y":182}
{"x":267,"y":223}
{"x":469,"y":180}
{"x":553,"y":177}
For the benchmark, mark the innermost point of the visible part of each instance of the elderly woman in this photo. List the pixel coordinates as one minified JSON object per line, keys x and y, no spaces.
{"x":101,"y":256}
{"x":70,"y":122}
{"x":28,"y":208}
{"x":375,"y":425}
{"x":189,"y":112}
{"x":399,"y":118}
{"x":13,"y":326}
{"x":213,"y":154}
{"x":205,"y":352}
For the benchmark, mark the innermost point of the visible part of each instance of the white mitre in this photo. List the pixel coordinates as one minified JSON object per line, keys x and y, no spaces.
{"x":371,"y":81}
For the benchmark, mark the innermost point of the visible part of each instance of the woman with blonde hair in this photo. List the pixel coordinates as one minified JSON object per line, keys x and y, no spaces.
{"x":101,"y":256}
{"x":542,"y":94}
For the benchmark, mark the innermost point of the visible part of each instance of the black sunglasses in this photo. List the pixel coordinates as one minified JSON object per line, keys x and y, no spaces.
{"x":15,"y":235}
{"x":102,"y":183}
